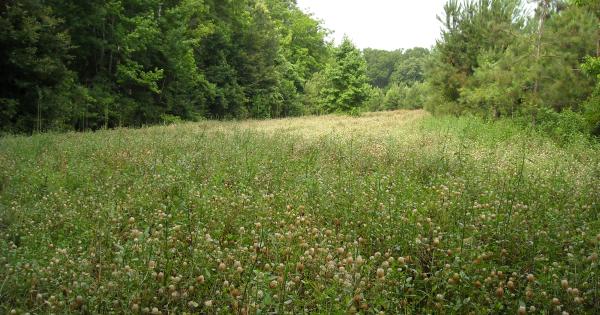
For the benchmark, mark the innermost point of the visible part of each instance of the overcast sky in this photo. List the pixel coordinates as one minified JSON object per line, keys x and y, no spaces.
{"x":382,"y":24}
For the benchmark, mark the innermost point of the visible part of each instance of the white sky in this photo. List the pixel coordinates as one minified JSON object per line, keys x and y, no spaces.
{"x":381,"y":24}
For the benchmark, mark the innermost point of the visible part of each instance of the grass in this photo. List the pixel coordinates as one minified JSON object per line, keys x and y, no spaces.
{"x":395,"y":212}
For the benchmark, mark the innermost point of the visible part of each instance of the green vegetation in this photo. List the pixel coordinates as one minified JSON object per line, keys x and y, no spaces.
{"x":89,"y":65}
{"x":483,"y":198}
{"x":346,"y":86}
{"x":496,"y":61}
{"x":395,"y":212}
{"x":398,"y":78}
{"x":71,"y":64}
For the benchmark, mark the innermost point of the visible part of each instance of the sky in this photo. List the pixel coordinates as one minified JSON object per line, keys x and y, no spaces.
{"x":381,"y":24}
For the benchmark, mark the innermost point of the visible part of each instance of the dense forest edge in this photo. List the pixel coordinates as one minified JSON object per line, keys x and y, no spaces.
{"x":88,"y":65}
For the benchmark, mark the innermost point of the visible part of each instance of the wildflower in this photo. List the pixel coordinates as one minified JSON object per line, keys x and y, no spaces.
{"x":359,"y":260}
{"x":500,"y":292}
{"x":532,"y":309}
{"x":510,"y":285}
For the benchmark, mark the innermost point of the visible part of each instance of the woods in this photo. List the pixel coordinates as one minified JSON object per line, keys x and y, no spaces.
{"x":72,"y":65}
{"x":92,"y":64}
{"x":496,"y":61}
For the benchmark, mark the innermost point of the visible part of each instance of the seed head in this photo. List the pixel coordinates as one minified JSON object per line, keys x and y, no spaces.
{"x":530,"y":277}
{"x":500,"y":292}
{"x":359,"y":260}
{"x":510,"y":285}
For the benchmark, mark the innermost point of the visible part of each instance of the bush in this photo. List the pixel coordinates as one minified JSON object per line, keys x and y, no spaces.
{"x":563,"y":126}
{"x":168,"y":119}
{"x":591,"y":113}
{"x":376,"y":99}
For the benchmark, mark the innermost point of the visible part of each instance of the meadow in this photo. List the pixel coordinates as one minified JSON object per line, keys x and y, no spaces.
{"x":387,"y":213}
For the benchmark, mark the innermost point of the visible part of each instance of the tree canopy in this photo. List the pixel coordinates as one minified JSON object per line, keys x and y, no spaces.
{"x":80,"y":65}
{"x":92,"y":64}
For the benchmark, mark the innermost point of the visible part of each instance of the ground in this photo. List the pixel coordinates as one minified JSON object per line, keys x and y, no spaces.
{"x":394,"y":212}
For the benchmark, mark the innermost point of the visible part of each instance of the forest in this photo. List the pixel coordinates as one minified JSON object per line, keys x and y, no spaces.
{"x":87,"y":65}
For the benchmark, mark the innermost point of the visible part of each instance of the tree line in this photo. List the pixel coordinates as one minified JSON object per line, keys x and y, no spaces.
{"x":70,"y":64}
{"x":80,"y":65}
{"x":496,"y":60}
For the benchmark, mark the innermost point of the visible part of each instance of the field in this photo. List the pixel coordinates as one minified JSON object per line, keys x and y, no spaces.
{"x":395,"y":212}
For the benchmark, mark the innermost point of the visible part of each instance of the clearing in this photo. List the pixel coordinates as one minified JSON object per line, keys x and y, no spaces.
{"x":394,"y":212}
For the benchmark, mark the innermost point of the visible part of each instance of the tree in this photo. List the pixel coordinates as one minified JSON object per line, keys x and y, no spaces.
{"x":470,"y":29}
{"x":591,"y":67}
{"x":380,"y":65}
{"x":36,"y":88}
{"x":410,"y":68}
{"x":346,"y":83}
{"x":93,"y":64}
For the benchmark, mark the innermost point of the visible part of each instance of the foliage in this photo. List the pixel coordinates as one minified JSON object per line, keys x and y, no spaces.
{"x":92,"y":64}
{"x":563,"y":126}
{"x":381,"y":65}
{"x":386,"y":68}
{"x":376,"y":100}
{"x":33,"y":58}
{"x":410,"y":68}
{"x":496,"y":61}
{"x":406,"y":97}
{"x":393,"y":212}
{"x":346,"y":85}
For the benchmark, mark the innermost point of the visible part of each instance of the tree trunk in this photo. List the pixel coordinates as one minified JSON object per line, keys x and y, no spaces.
{"x":543,"y":11}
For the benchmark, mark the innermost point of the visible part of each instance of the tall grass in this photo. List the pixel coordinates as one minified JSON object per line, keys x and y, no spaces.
{"x":394,"y":212}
